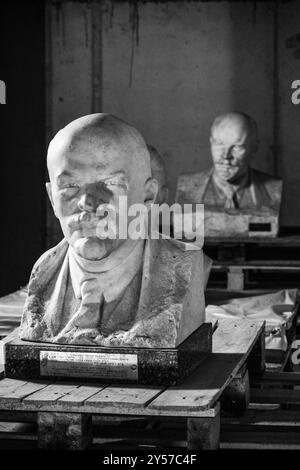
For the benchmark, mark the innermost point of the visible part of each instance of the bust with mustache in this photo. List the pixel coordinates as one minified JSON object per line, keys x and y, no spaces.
{"x":108,"y":290}
{"x":231,"y":183}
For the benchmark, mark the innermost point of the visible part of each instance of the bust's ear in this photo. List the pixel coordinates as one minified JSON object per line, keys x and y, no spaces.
{"x":49,"y":191}
{"x":151,"y":190}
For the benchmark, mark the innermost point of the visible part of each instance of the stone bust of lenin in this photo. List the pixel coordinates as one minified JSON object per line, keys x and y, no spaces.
{"x":231,"y":183}
{"x":108,"y":292}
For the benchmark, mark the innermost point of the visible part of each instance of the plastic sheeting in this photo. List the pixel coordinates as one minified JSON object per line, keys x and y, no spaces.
{"x":275,"y":308}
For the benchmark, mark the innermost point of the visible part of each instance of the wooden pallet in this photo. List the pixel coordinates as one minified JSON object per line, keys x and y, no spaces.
{"x":64,"y":411}
{"x":254,"y":263}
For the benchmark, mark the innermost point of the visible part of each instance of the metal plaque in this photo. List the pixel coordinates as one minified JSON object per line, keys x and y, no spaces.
{"x":92,"y":365}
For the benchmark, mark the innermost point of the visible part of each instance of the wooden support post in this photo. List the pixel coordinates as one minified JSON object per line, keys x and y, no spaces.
{"x":236,"y":396}
{"x":64,"y":431}
{"x":204,"y":433}
{"x":256,"y":360}
{"x":235,"y":279}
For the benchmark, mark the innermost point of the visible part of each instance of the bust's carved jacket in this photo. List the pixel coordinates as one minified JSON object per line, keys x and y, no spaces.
{"x":170,"y":304}
{"x":192,"y":188}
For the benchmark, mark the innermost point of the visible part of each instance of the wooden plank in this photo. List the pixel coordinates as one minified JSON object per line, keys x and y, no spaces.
{"x":50,"y":394}
{"x":202,"y":389}
{"x":236,"y":336}
{"x":263,"y":439}
{"x":232,"y":343}
{"x":17,"y":416}
{"x":274,"y":396}
{"x":274,"y":418}
{"x":77,"y":396}
{"x":275,"y":265}
{"x":258,"y":446}
{"x":128,"y":397}
{"x":283,"y":378}
{"x":18,"y":393}
{"x":7,"y":386}
{"x":293,"y":240}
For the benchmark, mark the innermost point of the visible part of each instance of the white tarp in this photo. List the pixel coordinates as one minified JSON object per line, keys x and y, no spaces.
{"x":275,"y":308}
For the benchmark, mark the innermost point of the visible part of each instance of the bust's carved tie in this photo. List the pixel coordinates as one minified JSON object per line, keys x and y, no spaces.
{"x":88,"y":314}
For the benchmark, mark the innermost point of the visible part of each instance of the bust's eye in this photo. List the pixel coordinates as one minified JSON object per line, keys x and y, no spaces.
{"x":238,"y":148}
{"x":69,"y":188}
{"x":112,"y":182}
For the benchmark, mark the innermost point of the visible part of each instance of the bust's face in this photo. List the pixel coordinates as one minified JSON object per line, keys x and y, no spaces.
{"x":85,"y":176}
{"x":231,"y":148}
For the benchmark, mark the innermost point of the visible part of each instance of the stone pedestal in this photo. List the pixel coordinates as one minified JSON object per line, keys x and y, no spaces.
{"x":153,"y":366}
{"x":240,"y":223}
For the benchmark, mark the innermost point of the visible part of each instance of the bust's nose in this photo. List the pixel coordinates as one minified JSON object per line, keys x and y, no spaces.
{"x":91,"y":198}
{"x":227,"y":154}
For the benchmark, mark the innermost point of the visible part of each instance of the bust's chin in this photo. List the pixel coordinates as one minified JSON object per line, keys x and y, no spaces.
{"x":91,"y":248}
{"x":231,"y":175}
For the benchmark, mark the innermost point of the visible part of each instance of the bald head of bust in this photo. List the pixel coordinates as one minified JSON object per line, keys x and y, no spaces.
{"x":91,"y":163}
{"x":233,"y":142}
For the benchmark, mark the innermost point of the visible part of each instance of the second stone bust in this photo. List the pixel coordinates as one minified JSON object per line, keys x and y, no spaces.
{"x":232,"y":187}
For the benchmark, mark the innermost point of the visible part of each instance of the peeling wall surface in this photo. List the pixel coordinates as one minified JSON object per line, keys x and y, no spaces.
{"x":169,"y":68}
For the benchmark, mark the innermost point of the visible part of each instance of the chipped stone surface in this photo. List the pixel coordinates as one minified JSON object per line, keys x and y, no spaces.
{"x":170,"y":304}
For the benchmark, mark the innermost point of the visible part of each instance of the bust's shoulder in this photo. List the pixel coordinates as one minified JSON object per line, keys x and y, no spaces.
{"x":191,"y":186}
{"x":194,"y":179}
{"x":172,"y":250}
{"x":270,"y":182}
{"x":52,"y":256}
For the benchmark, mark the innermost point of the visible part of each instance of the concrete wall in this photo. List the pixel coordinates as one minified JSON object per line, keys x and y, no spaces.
{"x":170,"y":68}
{"x":288,"y":126}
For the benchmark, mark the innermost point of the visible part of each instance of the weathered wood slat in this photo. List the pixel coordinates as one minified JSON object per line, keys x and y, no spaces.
{"x":128,"y":397}
{"x":77,"y":396}
{"x":265,"y":437}
{"x":232,"y":344}
{"x":274,"y":396}
{"x":236,"y":336}
{"x":202,"y":389}
{"x":17,"y":416}
{"x":16,"y":428}
{"x":274,"y":418}
{"x":258,"y":445}
{"x":18,"y":393}
{"x":7,"y":386}
{"x":286,"y":378}
{"x":50,"y":394}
